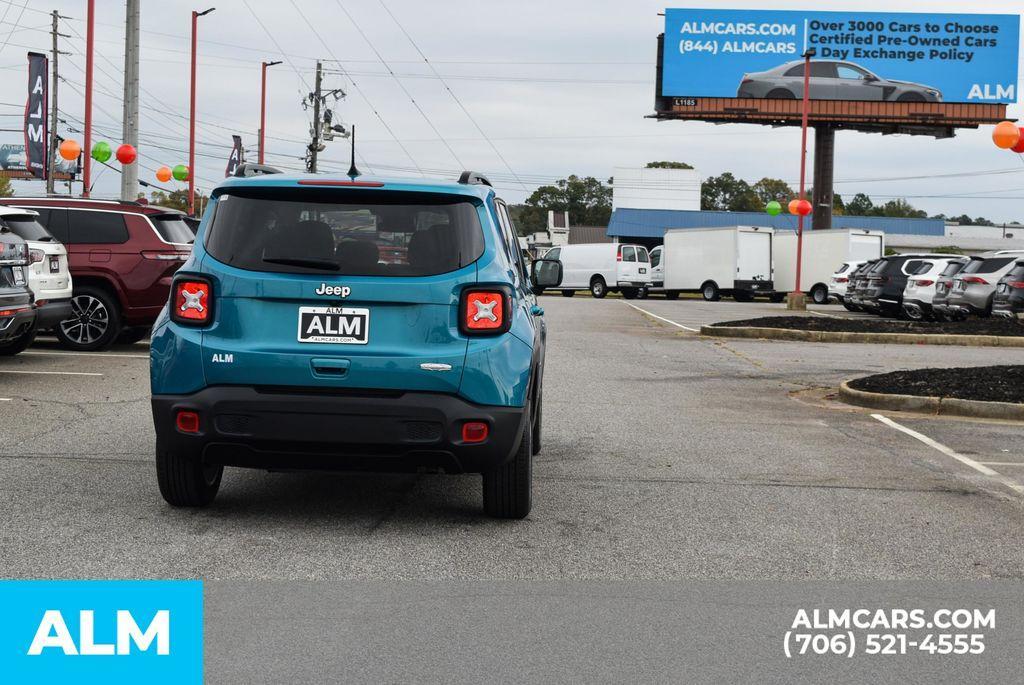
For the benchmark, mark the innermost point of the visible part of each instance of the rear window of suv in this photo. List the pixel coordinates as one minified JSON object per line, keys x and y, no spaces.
{"x":172,"y":228}
{"x":987,"y":266}
{"x":26,"y":226}
{"x":354,"y":233}
{"x":952,"y":269}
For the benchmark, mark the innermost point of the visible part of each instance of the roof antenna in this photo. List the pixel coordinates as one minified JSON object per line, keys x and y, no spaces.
{"x":352,"y":170}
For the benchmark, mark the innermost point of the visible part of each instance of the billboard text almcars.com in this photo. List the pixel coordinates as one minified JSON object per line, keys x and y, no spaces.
{"x":895,"y":57}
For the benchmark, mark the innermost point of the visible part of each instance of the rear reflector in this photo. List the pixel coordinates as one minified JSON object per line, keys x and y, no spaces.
{"x":474,"y":431}
{"x":12,"y":312}
{"x":187,"y":421}
{"x":191,"y":301}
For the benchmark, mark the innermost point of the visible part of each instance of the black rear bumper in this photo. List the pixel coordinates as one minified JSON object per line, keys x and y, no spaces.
{"x":286,"y":429}
{"x":20,"y":319}
{"x":52,"y":313}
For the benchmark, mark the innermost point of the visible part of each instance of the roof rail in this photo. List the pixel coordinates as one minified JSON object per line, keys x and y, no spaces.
{"x":246,"y":170}
{"x":474,"y":178}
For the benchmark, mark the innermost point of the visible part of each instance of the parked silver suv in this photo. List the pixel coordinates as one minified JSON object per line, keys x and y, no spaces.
{"x":975,"y":285}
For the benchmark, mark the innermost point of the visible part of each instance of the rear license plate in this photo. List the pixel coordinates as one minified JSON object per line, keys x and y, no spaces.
{"x":337,"y":325}
{"x":19,"y":275}
{"x":54,"y":265}
{"x":959,"y":285}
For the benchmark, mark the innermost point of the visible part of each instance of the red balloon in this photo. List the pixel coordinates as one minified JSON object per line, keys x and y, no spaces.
{"x":800,"y":207}
{"x":126,"y":154}
{"x":1019,"y":147}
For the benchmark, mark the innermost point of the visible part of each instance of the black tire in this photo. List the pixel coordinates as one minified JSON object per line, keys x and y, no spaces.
{"x":598,"y":288}
{"x":184,"y":481}
{"x":781,"y":94}
{"x":913,"y":314}
{"x":710,"y":292}
{"x":568,"y":293}
{"x":819,"y":294}
{"x":910,"y":97}
{"x":671,"y":294}
{"x":130,"y":336}
{"x":850,"y":307}
{"x":642,"y":294}
{"x":96,"y":322}
{"x":629,"y":293}
{"x":19,"y":344}
{"x":508,"y":489}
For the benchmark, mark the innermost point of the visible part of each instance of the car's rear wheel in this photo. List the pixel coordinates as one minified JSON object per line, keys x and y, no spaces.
{"x":781,"y":94}
{"x":19,"y":344}
{"x":94,"y":324}
{"x":913,"y":313}
{"x":819,"y":294}
{"x":598,"y":288}
{"x":184,"y":480}
{"x":568,"y":293}
{"x":508,"y":489}
{"x":710,"y":292}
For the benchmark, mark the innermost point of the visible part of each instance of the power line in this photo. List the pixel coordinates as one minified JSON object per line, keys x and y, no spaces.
{"x":450,"y":91}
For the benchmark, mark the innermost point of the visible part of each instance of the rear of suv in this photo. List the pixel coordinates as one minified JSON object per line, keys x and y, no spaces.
{"x":17,"y":314}
{"x":974,"y":288}
{"x":47,"y":274}
{"x":339,"y":324}
{"x":121,"y":256}
{"x":1009,"y":297}
{"x":886,"y":281}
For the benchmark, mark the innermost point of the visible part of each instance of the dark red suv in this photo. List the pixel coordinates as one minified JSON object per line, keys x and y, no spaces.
{"x":122,"y":256}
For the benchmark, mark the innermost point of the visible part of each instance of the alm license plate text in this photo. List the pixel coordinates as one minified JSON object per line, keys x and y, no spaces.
{"x":339,"y":325}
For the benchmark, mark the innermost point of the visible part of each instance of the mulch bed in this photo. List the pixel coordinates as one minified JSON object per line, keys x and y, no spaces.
{"x":973,"y":326}
{"x":985,"y":383}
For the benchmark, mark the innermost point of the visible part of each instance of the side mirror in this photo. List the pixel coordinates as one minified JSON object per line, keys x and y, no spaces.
{"x":870,"y":78}
{"x":546,"y":273}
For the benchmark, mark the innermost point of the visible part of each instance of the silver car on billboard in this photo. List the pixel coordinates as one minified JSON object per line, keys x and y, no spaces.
{"x":832,"y":80}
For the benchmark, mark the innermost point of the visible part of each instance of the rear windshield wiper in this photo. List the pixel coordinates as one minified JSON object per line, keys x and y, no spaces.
{"x":309,"y":263}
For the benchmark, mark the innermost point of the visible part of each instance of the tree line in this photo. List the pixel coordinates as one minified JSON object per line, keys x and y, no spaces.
{"x":589,"y":201}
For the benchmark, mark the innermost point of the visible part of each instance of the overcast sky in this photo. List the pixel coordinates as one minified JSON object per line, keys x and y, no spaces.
{"x":559,"y":87}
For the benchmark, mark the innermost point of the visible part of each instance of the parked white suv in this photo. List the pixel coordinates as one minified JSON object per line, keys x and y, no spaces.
{"x":48,"y":276}
{"x":921,"y":287}
{"x":840,"y":280}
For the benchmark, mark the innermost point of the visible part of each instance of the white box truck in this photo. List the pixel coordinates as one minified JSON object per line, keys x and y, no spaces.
{"x":735,"y":260}
{"x":823,"y":252}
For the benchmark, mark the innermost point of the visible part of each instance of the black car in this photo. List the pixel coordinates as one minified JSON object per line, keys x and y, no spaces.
{"x":855,"y":286}
{"x":886,"y":280}
{"x":17,"y":314}
{"x":1009,"y":297}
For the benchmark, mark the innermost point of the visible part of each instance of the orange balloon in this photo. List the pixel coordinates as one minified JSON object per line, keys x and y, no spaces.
{"x":163,"y":174}
{"x":1006,"y":135}
{"x":69,"y":150}
{"x":793,"y":204}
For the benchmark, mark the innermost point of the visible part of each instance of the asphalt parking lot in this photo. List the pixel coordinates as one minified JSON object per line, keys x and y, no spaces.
{"x":666,"y":456}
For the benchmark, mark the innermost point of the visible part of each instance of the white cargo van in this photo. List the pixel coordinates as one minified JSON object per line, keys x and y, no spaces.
{"x":823,"y":252}
{"x":734,"y":260}
{"x":602,"y":268}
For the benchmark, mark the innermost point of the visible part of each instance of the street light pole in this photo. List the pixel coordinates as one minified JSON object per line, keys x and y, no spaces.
{"x":89,"y":36}
{"x":192,"y":117}
{"x":263,"y":106}
{"x":796,"y":299}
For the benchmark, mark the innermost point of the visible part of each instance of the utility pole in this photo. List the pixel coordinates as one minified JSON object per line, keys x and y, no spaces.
{"x":90,"y":35}
{"x":130,"y":112}
{"x":314,"y":146}
{"x":51,"y":163}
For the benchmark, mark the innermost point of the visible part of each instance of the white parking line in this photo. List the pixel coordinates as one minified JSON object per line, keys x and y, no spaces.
{"x":831,"y":316}
{"x":977,"y":466}
{"x":5,"y":399}
{"x":1001,"y":463}
{"x":54,"y":373}
{"x":86,"y":354}
{"x":662,"y":318}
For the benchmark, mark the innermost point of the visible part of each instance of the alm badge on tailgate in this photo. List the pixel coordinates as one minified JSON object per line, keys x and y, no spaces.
{"x":339,"y":325}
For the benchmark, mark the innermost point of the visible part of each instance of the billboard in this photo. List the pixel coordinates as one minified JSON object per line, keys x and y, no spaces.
{"x":860,"y":56}
{"x":36,"y":132}
{"x":13,"y":162}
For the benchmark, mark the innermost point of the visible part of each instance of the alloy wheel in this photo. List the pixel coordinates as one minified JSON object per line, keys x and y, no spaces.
{"x":89,"y":320}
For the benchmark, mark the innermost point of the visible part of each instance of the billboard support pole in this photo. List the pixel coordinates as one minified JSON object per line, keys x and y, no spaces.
{"x":796,"y":299}
{"x":824,"y":164}
{"x":90,"y":27}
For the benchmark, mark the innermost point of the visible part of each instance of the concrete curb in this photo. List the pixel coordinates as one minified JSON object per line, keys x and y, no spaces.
{"x":751,"y":332}
{"x":942,"y":406}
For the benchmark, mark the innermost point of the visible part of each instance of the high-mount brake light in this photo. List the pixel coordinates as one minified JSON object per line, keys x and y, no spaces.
{"x":192,"y":301}
{"x":484,"y":311}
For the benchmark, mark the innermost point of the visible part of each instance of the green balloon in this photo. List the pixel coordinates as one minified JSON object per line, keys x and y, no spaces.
{"x":101,"y":151}
{"x":773,"y":208}
{"x":180,"y":172}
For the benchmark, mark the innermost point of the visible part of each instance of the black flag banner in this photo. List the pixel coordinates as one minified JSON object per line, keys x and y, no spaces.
{"x":237,"y":156}
{"x":36,"y":133}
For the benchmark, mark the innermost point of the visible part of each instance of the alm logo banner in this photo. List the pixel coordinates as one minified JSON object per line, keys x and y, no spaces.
{"x":102,"y":631}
